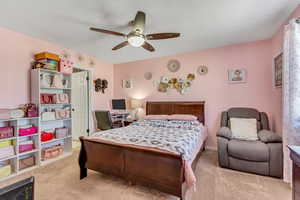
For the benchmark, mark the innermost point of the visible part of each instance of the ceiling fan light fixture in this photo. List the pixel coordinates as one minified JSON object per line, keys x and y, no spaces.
{"x":136,"y":40}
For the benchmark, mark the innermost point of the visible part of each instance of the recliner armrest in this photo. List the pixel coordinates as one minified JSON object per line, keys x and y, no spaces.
{"x":225,"y":132}
{"x":267,"y":136}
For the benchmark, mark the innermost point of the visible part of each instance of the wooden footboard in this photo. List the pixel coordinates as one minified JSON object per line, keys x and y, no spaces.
{"x":162,"y":171}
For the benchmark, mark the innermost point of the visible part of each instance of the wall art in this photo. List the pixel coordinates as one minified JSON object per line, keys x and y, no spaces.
{"x":127,"y":84}
{"x":180,"y":84}
{"x":148,"y":75}
{"x":278,"y":62}
{"x":100,"y":85}
{"x":202,"y":70}
{"x":173,"y":65}
{"x":237,"y":75}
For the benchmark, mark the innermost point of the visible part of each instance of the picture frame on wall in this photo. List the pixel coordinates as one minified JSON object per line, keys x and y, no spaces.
{"x":278,"y":64}
{"x":127,"y":84}
{"x":237,"y":76}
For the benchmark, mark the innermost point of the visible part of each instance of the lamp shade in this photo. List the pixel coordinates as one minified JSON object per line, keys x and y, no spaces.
{"x":136,"y":103}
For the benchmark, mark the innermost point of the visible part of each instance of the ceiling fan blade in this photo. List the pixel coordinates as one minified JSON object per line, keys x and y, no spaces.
{"x":160,"y":36}
{"x":119,"y":46}
{"x":148,"y":47}
{"x":107,"y":31}
{"x":139,"y":22}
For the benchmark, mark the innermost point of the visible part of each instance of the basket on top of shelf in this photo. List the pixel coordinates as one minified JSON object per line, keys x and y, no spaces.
{"x":51,"y":61}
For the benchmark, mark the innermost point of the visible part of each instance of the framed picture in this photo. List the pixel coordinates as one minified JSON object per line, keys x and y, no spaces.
{"x":237,"y":75}
{"x":278,"y":62}
{"x":127,"y":84}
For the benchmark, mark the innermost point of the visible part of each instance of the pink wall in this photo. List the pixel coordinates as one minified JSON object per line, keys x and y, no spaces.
{"x":16,"y":54}
{"x":277,"y":47}
{"x":212,"y":88}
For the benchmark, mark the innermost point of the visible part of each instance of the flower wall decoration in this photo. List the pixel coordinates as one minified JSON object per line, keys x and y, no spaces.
{"x":180,"y":84}
{"x":100,"y":85}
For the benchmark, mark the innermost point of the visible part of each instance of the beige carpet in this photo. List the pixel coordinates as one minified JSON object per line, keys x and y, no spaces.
{"x":60,"y":181}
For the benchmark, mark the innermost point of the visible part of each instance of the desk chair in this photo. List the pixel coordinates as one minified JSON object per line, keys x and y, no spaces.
{"x":103,"y":120}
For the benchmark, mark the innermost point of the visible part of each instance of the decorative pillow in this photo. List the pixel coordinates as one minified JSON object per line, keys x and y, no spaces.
{"x":156,"y":117}
{"x":244,"y":129}
{"x":182,"y":117}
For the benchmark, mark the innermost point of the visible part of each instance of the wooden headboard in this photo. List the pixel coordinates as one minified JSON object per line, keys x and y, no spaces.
{"x":195,"y":108}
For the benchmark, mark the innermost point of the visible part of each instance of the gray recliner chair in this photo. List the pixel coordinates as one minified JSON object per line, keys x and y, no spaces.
{"x":263,"y":157}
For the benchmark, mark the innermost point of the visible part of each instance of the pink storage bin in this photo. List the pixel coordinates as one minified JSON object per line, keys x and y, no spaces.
{"x":7,"y":151}
{"x":25,"y":147}
{"x":28,"y":131}
{"x":6,"y":132}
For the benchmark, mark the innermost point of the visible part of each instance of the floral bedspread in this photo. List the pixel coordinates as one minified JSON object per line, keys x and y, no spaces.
{"x":180,"y":137}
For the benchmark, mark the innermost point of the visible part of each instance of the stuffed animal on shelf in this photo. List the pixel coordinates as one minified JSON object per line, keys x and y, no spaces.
{"x":100,"y":85}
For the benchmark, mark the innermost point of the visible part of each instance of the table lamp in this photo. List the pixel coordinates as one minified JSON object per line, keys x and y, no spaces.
{"x":137,"y":107}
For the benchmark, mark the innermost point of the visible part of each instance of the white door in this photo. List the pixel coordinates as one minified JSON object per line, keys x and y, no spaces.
{"x":80,"y":104}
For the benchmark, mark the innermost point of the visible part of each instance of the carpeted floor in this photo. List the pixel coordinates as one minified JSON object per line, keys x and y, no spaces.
{"x":60,"y":181}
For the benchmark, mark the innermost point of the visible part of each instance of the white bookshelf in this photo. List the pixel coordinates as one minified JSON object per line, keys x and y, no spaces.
{"x":14,"y":159}
{"x":36,"y":91}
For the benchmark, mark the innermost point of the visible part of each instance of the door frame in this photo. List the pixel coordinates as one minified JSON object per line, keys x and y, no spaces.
{"x":90,"y":95}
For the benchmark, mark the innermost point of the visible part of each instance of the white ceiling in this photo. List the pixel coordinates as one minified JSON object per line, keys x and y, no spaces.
{"x":202,"y":23}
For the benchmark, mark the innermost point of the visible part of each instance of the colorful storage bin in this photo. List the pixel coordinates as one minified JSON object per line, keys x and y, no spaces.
{"x":6,"y":132}
{"x":28,"y":131}
{"x":5,"y":171}
{"x":26,"y":146}
{"x":52,"y":152}
{"x":26,"y":162}
{"x":5,"y":143}
{"x":7,"y":151}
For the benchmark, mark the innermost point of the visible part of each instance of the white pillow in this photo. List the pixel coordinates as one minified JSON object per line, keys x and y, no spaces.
{"x":244,"y":129}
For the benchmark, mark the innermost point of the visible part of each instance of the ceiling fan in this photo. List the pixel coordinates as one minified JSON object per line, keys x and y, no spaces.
{"x":136,"y":37}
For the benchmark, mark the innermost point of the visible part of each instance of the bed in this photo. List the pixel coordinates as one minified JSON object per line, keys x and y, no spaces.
{"x":135,"y":163}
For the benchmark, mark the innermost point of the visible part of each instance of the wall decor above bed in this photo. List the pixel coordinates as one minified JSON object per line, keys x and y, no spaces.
{"x":127,"y":84}
{"x":148,"y":75}
{"x":180,"y":84}
{"x":173,"y":65}
{"x":202,"y":70}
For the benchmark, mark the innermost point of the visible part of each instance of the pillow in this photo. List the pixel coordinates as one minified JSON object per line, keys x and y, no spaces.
{"x":156,"y":117}
{"x":244,"y":129}
{"x":182,"y":117}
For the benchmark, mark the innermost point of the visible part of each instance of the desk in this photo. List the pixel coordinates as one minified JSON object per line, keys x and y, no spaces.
{"x":295,"y":156}
{"x":118,"y":118}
